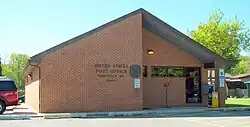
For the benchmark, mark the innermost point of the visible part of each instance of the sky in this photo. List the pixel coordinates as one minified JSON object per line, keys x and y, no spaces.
{"x":32,"y":26}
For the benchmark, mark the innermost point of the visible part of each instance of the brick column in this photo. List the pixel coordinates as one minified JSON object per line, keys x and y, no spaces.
{"x":204,"y":81}
{"x":221,"y":90}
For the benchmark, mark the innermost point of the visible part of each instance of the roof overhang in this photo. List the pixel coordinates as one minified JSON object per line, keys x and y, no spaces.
{"x":243,"y":77}
{"x":29,"y":66}
{"x":233,"y":80}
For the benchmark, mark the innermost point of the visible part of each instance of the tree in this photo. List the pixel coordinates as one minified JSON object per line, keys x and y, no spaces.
{"x":240,"y":68}
{"x":226,"y":37}
{"x":247,"y":58}
{"x":1,"y":72}
{"x":15,"y":67}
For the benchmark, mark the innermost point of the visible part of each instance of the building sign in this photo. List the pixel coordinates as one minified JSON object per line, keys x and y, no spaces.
{"x":111,"y":72}
{"x":135,"y":70}
{"x":137,"y":83}
{"x":222,"y":77}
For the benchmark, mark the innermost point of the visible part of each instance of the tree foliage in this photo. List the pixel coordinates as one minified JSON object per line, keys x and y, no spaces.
{"x":247,"y":59}
{"x":240,"y":68}
{"x":1,"y":70}
{"x":15,"y":67}
{"x":226,"y":37}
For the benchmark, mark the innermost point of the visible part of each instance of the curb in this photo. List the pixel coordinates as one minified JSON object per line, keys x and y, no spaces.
{"x":206,"y":110}
{"x":231,"y":109}
{"x":14,"y":117}
{"x":178,"y":113}
{"x":96,"y":115}
{"x":116,"y":114}
{"x":135,"y":113}
{"x":65,"y":115}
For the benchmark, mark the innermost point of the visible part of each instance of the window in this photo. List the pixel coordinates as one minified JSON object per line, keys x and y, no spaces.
{"x":162,"y":71}
{"x":208,"y":74}
{"x":208,"y":65}
{"x":213,"y":74}
{"x":145,"y":71}
{"x":211,"y":77}
{"x":175,"y":72}
{"x":159,"y":71}
{"x":7,"y":85}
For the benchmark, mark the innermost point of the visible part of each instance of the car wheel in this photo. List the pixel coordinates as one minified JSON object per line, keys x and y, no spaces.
{"x":2,"y":107}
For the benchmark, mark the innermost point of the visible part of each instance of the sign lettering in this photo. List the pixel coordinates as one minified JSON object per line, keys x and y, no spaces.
{"x":111,"y":71}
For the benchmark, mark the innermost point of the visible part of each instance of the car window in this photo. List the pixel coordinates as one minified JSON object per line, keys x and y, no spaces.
{"x":7,"y":85}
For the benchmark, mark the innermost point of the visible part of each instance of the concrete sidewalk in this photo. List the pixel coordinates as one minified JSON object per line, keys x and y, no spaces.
{"x":158,"y":111}
{"x":19,"y":109}
{"x":19,"y":112}
{"x":29,"y":114}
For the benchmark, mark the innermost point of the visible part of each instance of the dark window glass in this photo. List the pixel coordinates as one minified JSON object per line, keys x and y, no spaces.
{"x":193,"y":85}
{"x":175,"y":72}
{"x":145,"y":71}
{"x":159,"y":71}
{"x":7,"y":85}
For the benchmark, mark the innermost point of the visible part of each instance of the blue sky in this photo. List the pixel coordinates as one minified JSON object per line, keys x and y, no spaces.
{"x":29,"y":26}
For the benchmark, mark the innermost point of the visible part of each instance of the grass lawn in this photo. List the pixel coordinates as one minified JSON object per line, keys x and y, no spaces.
{"x":238,"y":102}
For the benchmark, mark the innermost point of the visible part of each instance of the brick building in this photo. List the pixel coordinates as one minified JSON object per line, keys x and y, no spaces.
{"x":97,"y":71}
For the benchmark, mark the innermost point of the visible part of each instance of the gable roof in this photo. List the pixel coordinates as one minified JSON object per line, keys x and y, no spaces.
{"x":154,"y":25}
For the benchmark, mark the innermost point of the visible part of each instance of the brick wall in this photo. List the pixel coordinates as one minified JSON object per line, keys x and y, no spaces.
{"x":222,"y":90}
{"x":165,"y":54}
{"x":204,"y":80}
{"x":69,"y":81}
{"x":32,"y":90}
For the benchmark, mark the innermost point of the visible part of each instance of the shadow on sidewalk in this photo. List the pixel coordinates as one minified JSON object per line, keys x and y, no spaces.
{"x":237,"y":105}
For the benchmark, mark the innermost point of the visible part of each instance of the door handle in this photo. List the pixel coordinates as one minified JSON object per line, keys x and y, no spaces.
{"x":166,"y":84}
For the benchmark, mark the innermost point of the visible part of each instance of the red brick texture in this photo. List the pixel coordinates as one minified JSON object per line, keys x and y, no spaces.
{"x":204,"y":80}
{"x":69,"y":81}
{"x":222,"y":90}
{"x":166,"y":54}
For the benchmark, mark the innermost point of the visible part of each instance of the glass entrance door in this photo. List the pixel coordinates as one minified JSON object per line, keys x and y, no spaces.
{"x":193,"y":85}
